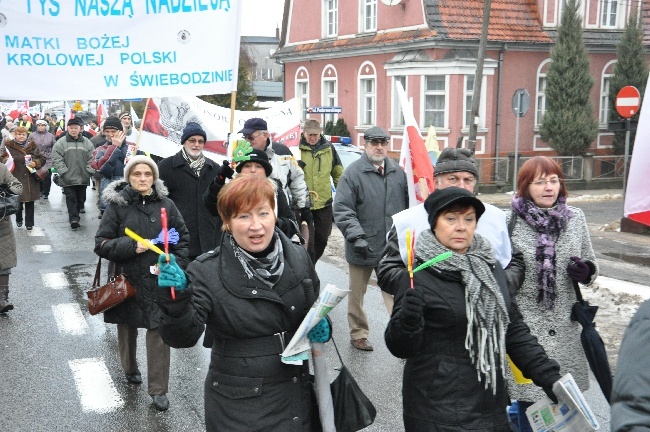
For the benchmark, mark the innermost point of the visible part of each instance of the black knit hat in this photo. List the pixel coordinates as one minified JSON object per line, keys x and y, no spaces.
{"x":455,"y":160}
{"x":255,"y":156}
{"x":76,"y":121}
{"x":441,"y":199}
{"x":113,"y":123}
{"x":192,"y":129}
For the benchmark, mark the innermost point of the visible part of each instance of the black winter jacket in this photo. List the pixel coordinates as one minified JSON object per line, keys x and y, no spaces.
{"x":186,"y":190}
{"x":250,"y":390}
{"x":128,"y":209}
{"x":441,"y":391}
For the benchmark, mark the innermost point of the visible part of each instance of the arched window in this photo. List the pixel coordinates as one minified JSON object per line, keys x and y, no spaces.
{"x":367,"y":94}
{"x":302,"y":91}
{"x":329,"y":92}
{"x":540,"y":92}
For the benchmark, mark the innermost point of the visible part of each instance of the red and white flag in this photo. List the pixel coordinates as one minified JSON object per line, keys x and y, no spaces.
{"x":101,"y":113}
{"x":414,"y":158}
{"x":10,"y":161}
{"x":18,"y":109}
{"x":637,"y":199}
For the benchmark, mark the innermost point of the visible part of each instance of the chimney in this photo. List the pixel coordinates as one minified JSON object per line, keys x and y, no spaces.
{"x":277,"y":32}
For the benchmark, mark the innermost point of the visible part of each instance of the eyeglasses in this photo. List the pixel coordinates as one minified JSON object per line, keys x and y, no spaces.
{"x":252,"y":136}
{"x":196,"y":141}
{"x":375,"y":143}
{"x":542,"y":183}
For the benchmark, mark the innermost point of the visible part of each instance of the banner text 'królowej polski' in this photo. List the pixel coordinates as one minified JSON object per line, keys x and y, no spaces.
{"x":90,"y":49}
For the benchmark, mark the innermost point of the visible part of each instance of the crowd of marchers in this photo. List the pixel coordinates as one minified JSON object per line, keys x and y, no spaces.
{"x":492,"y":294}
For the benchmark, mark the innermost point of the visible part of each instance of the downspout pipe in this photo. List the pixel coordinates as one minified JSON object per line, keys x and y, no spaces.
{"x":497,"y":129}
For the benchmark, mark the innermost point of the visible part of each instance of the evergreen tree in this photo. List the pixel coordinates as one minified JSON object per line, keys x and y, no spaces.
{"x":631,"y":69}
{"x":338,"y":129}
{"x":569,"y":126}
{"x":245,"y":99}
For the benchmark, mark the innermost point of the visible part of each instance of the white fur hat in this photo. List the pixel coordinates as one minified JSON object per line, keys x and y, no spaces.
{"x":140,"y":159}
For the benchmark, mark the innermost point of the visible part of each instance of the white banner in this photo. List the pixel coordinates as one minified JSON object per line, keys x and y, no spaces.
{"x":117,"y":49}
{"x":165,"y":118}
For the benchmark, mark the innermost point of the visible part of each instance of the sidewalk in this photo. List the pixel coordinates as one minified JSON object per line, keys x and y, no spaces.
{"x":595,"y":195}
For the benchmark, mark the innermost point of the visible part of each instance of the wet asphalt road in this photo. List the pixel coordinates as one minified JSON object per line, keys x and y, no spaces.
{"x":38,"y":391}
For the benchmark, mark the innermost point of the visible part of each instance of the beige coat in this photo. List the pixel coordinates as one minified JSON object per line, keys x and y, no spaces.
{"x":8,"y":257}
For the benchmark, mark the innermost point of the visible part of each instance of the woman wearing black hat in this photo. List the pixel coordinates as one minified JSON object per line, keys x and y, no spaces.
{"x":457,"y":324}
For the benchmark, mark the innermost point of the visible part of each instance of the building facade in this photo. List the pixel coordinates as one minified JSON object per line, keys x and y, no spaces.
{"x":350,"y":54}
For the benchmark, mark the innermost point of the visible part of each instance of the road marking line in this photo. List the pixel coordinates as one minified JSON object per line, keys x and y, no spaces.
{"x":54,"y":280}
{"x":95,"y":386}
{"x":42,"y":248}
{"x":69,"y":319}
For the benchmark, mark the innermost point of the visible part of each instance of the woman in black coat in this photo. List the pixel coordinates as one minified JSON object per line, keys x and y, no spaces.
{"x":252,"y":293}
{"x":456,"y":326}
{"x":135,"y":203}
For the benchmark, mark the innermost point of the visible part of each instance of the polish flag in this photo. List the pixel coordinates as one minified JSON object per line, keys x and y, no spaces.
{"x":17,"y":110}
{"x":101,"y":113}
{"x":637,"y":199}
{"x":414,"y":158}
{"x":10,"y":161}
{"x":13,"y":111}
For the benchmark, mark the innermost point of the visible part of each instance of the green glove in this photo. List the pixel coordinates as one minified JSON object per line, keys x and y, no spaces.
{"x":322,"y":332}
{"x":171,"y":275}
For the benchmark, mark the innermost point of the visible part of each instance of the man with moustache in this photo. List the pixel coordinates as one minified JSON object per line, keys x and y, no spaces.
{"x":370,"y":191}
{"x":187,"y":175}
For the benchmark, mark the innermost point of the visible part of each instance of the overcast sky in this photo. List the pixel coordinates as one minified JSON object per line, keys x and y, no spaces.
{"x":261,"y":17}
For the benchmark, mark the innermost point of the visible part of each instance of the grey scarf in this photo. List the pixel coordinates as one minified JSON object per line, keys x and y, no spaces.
{"x":197,"y":164}
{"x":487,"y":315}
{"x":266,"y":269}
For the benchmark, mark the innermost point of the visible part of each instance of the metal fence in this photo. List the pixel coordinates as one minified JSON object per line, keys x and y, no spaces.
{"x":575,"y":168}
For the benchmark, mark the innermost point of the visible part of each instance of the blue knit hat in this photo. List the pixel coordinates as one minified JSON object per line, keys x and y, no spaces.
{"x":192,"y":129}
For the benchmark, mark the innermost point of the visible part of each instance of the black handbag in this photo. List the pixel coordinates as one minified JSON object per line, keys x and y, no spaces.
{"x":353,"y":410}
{"x":9,"y":202}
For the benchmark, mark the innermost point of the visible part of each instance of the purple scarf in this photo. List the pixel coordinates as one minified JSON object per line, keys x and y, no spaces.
{"x":548,"y":223}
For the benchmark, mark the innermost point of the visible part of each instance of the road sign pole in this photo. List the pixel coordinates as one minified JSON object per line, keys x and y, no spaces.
{"x":627,"y":152}
{"x":514,"y":183}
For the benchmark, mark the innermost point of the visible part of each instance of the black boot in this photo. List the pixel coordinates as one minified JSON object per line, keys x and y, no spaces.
{"x":5,"y":306}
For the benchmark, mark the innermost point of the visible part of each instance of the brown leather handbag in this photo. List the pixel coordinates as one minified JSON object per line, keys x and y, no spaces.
{"x":102,"y":298}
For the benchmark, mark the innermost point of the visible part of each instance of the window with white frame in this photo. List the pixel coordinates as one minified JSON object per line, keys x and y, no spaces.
{"x":367,"y":101}
{"x":604,"y":99}
{"x":263,"y":74}
{"x":302,"y":93}
{"x":398,"y":116}
{"x":331,"y":18}
{"x":369,"y":15}
{"x":608,"y":13}
{"x":329,"y":98}
{"x":469,"y":95}
{"x":541,"y":99}
{"x":434,"y":100}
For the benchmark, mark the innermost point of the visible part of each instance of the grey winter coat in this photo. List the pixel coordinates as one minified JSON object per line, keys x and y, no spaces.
{"x":247,"y":387}
{"x":71,"y":158}
{"x":186,"y":190}
{"x":365,"y":203}
{"x":554,"y":329}
{"x":45,"y":142}
{"x":8,"y":258}
{"x":128,"y":209}
{"x":631,"y":392}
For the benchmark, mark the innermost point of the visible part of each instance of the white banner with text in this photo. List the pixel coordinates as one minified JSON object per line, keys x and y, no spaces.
{"x":118,"y":49}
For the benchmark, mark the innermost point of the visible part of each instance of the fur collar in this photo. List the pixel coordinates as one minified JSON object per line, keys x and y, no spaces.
{"x":120,"y":193}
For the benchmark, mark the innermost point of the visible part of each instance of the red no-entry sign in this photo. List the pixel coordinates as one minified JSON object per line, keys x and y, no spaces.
{"x":628,"y":101}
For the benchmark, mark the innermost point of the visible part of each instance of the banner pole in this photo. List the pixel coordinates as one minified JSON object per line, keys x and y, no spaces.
{"x":233,"y":102}
{"x":144,"y":117}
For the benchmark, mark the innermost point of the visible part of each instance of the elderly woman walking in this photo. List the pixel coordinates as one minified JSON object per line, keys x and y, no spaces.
{"x":27,"y":159}
{"x":456,"y":325}
{"x":8,"y":257}
{"x":558,"y":253}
